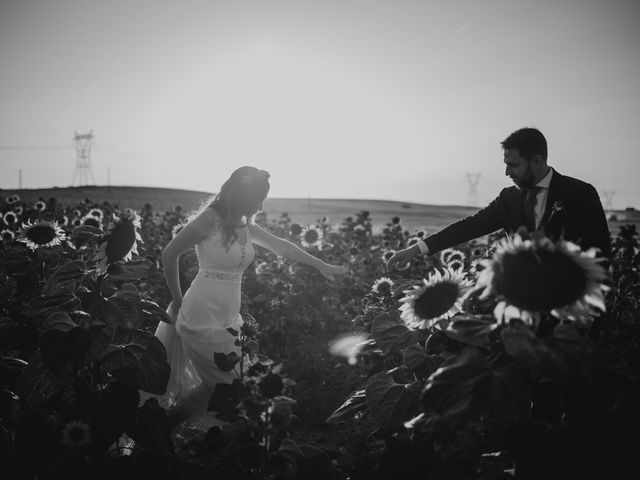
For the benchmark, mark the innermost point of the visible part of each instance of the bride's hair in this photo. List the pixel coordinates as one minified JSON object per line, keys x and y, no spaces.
{"x":239,"y":199}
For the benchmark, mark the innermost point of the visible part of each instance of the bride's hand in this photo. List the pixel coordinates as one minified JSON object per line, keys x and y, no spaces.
{"x":331,"y":271}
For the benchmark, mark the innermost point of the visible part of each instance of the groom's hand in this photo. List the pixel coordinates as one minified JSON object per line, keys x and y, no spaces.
{"x":403,"y":256}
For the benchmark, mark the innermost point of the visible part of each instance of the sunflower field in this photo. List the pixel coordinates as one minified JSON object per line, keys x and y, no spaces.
{"x":506,"y":357}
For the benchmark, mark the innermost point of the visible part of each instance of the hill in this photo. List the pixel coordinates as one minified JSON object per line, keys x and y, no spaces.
{"x":302,"y":210}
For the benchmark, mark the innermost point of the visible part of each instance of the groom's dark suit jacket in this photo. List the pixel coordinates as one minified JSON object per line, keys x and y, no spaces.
{"x":573,"y":212}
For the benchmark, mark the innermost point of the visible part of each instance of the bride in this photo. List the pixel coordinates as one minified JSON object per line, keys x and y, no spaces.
{"x":223,"y":233}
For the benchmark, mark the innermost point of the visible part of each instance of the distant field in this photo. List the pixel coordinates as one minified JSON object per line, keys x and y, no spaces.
{"x":413,"y":215}
{"x":301,"y":210}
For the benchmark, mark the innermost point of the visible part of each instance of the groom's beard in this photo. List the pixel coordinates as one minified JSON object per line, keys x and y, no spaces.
{"x":526,"y":181}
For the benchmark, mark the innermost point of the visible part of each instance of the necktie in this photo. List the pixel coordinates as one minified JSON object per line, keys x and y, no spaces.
{"x":530,"y":197}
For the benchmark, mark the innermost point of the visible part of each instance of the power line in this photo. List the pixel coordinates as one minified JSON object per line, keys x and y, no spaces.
{"x":34,"y":147}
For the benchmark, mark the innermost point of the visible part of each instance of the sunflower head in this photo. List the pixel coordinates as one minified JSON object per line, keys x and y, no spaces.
{"x":312,"y":237}
{"x":10,"y":218}
{"x":120,"y":241}
{"x":76,"y":434}
{"x":477,"y":251}
{"x":41,"y":234}
{"x":295,"y":229}
{"x":387,"y":254}
{"x":92,"y":221}
{"x":96,"y":213}
{"x":437,"y":298}
{"x":40,"y":206}
{"x":454,"y":255}
{"x":7,"y":235}
{"x":382,"y":287}
{"x":177,"y":228}
{"x":455,"y":264}
{"x":539,"y":275}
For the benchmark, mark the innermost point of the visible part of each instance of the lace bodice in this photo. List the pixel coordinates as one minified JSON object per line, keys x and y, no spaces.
{"x":213,"y":256}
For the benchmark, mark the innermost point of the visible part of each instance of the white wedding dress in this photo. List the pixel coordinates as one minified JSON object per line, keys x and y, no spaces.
{"x":210,"y":306}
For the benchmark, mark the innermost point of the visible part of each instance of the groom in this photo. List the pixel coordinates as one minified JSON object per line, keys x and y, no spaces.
{"x":542,"y":200}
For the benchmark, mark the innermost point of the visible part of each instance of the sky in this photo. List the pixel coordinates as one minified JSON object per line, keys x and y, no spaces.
{"x":392,"y":100}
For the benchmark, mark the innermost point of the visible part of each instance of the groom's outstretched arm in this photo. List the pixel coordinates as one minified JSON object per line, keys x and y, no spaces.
{"x":483,"y":222}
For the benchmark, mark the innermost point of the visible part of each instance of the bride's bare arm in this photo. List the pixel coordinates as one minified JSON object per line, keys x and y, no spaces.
{"x":192,"y":233}
{"x":287,"y":249}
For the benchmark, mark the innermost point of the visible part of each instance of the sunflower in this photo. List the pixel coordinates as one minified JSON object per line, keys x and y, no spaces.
{"x":438,"y":298}
{"x":537,"y":276}
{"x":295,"y":229}
{"x":261,"y":267}
{"x":77,"y":213}
{"x":120,"y":240}
{"x":311,"y":237}
{"x":176,"y":229}
{"x":455,"y":264}
{"x":40,"y":206}
{"x":64,"y":221}
{"x":455,"y":255}
{"x":382,"y":286}
{"x":13,"y":199}
{"x":91,"y":220}
{"x":41,"y":234}
{"x":387,"y":254}
{"x":477,"y":251}
{"x":18,"y":209}
{"x":444,"y":255}
{"x":76,"y":434}
{"x":96,"y":213}
{"x":10,"y":218}
{"x":76,"y":222}
{"x":7,"y":235}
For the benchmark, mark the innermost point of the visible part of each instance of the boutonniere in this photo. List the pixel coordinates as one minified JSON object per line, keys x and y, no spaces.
{"x":557,"y":207}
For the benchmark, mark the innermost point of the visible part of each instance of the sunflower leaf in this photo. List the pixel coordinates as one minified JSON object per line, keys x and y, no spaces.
{"x":390,"y":403}
{"x":131,"y":270}
{"x":391,"y":335}
{"x":138,"y":359}
{"x":65,"y":277}
{"x":521,"y":343}
{"x":349,"y":410}
{"x":38,"y":384}
{"x":226,"y":361}
{"x":419,"y":362}
{"x":471,"y":329}
{"x":460,"y":392}
{"x":43,"y":305}
{"x":58,"y":340}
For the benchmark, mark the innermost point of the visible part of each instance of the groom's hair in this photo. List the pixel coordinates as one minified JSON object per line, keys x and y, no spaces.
{"x":528,"y":141}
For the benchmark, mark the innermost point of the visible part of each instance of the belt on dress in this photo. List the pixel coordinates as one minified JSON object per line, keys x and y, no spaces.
{"x":219,"y":275}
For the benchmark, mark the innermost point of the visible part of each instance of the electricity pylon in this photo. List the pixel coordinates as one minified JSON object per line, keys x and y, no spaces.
{"x":472,"y":198}
{"x":83,"y":170}
{"x":608,"y":199}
